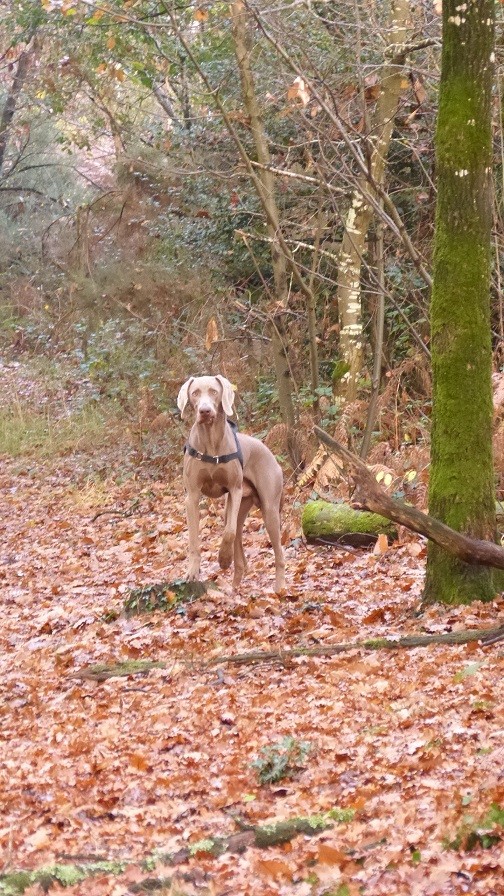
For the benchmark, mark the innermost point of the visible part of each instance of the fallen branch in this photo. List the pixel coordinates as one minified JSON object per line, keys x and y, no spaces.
{"x":372,"y":497}
{"x":119,"y":513}
{"x":487,"y":636}
{"x":258,"y":836}
{"x":102,"y":671}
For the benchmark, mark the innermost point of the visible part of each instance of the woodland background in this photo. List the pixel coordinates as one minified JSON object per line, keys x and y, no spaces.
{"x":133,"y":241}
{"x":137,"y":247}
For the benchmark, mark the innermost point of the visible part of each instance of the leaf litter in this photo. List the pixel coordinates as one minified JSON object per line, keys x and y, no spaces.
{"x":134,"y":767}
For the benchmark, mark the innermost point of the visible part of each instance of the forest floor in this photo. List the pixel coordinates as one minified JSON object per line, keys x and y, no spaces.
{"x":121,"y":785}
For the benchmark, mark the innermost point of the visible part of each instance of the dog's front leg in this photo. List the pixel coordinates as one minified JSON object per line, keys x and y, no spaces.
{"x":192,"y":513}
{"x":226,"y":551}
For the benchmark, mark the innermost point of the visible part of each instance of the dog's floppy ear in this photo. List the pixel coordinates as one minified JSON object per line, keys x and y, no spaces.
{"x":227,"y":395}
{"x":183,"y":396}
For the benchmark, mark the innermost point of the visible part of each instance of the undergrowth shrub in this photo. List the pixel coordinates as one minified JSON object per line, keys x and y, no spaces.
{"x":117,"y":358}
{"x":281,"y":760}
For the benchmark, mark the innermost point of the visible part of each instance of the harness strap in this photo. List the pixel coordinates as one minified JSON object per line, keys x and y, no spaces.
{"x":221,"y":458}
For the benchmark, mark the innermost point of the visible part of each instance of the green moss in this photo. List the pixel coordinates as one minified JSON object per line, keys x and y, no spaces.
{"x":283,"y":831}
{"x":66,"y":875}
{"x":323,"y":519}
{"x":471,"y":142}
{"x":340,"y":369}
{"x":16,"y":882}
{"x":102,"y":671}
{"x":376,"y":643}
{"x":451,"y":581}
{"x":163,"y":597}
{"x":342,"y":816}
{"x":213,"y":846}
{"x":461,"y":484}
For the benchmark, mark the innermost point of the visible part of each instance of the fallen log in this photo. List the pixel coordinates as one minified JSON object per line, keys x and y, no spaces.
{"x":370,"y":496}
{"x":323,"y":522}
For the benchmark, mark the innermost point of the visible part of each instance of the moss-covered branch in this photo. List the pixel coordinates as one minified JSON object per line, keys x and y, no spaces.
{"x":370,"y":496}
{"x":71,"y":873}
{"x":485,"y":635}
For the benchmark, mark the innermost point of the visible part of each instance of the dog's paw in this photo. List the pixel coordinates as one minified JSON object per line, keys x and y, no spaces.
{"x":225,"y":559}
{"x":226,"y":553}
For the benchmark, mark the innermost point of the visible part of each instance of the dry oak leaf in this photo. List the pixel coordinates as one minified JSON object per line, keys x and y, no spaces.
{"x":298,"y":92}
{"x":212,"y":333}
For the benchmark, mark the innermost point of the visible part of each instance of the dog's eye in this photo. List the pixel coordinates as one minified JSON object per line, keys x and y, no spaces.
{"x":195,"y":393}
{"x":213,"y":392}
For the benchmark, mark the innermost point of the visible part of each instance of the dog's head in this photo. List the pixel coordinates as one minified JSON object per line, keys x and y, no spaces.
{"x":206,"y":395}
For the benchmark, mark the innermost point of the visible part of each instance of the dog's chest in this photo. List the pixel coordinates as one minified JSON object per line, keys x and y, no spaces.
{"x":216,"y":481}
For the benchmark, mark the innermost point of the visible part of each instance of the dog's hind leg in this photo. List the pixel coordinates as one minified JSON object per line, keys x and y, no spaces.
{"x":271,"y":517}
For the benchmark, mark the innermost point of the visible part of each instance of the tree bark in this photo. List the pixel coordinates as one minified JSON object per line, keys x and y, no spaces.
{"x":378,"y":343}
{"x":361,"y":213}
{"x":242,"y":44}
{"x":11,"y":101}
{"x":461,"y":489}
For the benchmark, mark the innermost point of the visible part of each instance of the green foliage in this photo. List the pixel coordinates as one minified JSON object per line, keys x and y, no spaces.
{"x":164,"y":194}
{"x":340,"y":368}
{"x":281,"y":760}
{"x":483,"y":833}
{"x":266,"y":392}
{"x":331,"y":405}
{"x":108,"y":371}
{"x":164,"y":597}
{"x":115,"y":359}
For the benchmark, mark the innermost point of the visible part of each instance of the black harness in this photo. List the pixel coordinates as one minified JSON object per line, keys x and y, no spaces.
{"x":218,"y":459}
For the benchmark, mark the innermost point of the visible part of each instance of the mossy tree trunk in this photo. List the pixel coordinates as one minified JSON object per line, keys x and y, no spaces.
{"x":461,"y":491}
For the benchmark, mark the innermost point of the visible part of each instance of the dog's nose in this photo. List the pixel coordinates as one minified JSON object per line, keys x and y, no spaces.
{"x":206,"y":412}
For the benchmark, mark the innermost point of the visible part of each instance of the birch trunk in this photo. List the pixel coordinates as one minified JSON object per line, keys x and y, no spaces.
{"x":360,"y":213}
